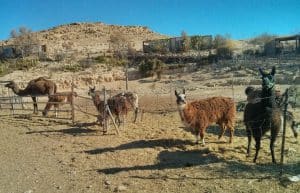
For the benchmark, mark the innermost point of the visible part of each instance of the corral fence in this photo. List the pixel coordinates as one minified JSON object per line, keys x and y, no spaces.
{"x":159,"y":102}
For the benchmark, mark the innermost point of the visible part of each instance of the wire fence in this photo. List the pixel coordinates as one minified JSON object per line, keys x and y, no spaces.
{"x":157,"y":102}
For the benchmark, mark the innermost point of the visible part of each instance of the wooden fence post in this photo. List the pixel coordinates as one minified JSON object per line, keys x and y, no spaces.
{"x":126,"y":74}
{"x":104,"y":111}
{"x":284,"y":128}
{"x":107,"y":111}
{"x":72,"y":103}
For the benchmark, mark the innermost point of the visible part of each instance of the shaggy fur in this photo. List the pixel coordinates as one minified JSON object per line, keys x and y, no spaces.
{"x":254,"y":96}
{"x":39,"y":86}
{"x":264,"y":115}
{"x":117,"y":105}
{"x":132,"y":102}
{"x":56,"y":99}
{"x":199,"y":114}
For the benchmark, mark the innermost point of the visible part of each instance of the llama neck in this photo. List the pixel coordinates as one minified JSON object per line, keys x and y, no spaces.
{"x":268,"y":97}
{"x":181,"y":110}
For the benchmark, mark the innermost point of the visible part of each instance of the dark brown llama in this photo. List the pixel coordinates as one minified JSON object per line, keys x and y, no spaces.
{"x":116,"y":104}
{"x":263,"y":115}
{"x":198,"y":115}
{"x":254,"y":95}
{"x":57,"y":100}
{"x":132,"y":102}
{"x":34,"y":88}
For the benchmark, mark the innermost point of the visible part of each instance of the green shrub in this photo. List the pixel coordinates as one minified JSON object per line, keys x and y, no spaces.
{"x":146,"y":68}
{"x":150,"y":67}
{"x":72,"y":68}
{"x":25,"y":64}
{"x":100,"y":59}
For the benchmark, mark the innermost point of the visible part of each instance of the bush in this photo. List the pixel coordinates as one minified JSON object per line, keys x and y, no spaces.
{"x":100,"y":59}
{"x":18,"y":64}
{"x":224,"y":52}
{"x":146,"y":68}
{"x":150,"y":67}
{"x":59,"y":57}
{"x":72,"y":68}
{"x":25,"y":64}
{"x":262,"y":39}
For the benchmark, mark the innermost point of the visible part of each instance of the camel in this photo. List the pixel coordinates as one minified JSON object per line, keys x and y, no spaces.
{"x":34,"y":88}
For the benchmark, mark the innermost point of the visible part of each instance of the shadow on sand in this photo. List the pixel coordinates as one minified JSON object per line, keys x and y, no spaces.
{"x":204,"y":158}
{"x":75,"y":131}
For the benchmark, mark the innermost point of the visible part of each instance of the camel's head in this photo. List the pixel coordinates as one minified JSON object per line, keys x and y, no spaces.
{"x":180,"y":98}
{"x":11,"y":84}
{"x":268,"y":79}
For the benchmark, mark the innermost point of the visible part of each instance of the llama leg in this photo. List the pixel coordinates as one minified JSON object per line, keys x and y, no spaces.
{"x":197,"y":138}
{"x":223,"y":128}
{"x":231,"y":131}
{"x":257,"y":147}
{"x":118,"y":120}
{"x":249,"y":135}
{"x":293,"y":126}
{"x":136,"y":110}
{"x":274,"y":133}
{"x":202,"y":136}
{"x":197,"y":135}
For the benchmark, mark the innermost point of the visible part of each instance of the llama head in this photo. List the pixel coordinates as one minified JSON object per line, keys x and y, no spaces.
{"x":268,"y":79}
{"x":92,"y":91}
{"x":180,"y":98}
{"x":249,"y":90}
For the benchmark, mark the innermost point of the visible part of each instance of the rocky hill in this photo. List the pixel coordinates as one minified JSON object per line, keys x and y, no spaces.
{"x":89,"y":38}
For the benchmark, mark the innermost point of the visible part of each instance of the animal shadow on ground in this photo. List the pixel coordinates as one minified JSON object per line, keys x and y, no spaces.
{"x":75,"y":131}
{"x":166,"y":143}
{"x":218,"y":167}
{"x":146,"y":81}
{"x":171,"y":160}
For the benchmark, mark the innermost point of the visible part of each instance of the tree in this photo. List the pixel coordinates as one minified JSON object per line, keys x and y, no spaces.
{"x":224,"y":46}
{"x":24,"y":40}
{"x":186,"y":41}
{"x":262,"y":39}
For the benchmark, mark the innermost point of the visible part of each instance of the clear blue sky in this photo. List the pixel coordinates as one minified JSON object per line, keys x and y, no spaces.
{"x":240,"y":18}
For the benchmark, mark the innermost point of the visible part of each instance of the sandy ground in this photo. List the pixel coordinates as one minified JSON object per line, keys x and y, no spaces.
{"x":153,"y":155}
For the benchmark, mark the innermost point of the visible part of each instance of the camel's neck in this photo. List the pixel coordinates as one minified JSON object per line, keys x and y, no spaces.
{"x":18,"y":91}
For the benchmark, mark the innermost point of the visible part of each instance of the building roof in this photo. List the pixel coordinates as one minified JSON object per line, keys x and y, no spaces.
{"x":286,"y":38}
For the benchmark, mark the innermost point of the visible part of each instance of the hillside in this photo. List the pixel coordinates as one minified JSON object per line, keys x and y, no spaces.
{"x":89,"y":38}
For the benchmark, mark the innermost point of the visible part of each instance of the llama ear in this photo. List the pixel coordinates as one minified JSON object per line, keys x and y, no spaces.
{"x":261,"y":72}
{"x":176,"y":93}
{"x":183,"y":91}
{"x":273,"y":71}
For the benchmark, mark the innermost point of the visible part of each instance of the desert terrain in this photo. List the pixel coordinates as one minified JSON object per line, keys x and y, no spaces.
{"x":156,"y":154}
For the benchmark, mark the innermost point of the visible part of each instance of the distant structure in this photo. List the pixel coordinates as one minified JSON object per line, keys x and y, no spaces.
{"x":176,"y":44}
{"x":283,"y":45}
{"x":15,"y":51}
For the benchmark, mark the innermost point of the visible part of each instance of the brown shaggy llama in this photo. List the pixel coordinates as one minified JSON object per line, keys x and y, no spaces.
{"x":58,"y":99}
{"x":199,"y":114}
{"x":116,"y":104}
{"x":34,"y":88}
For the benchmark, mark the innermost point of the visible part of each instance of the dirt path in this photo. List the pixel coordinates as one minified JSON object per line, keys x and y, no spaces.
{"x":155,"y":155}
